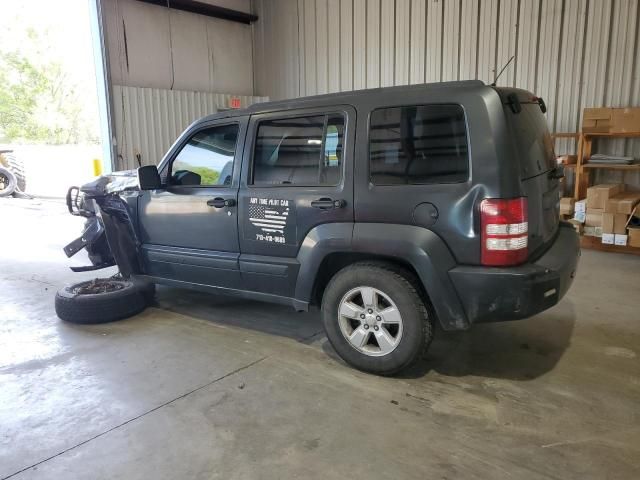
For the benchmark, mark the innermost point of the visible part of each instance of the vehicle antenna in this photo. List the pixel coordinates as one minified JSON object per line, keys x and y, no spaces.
{"x":503,"y":69}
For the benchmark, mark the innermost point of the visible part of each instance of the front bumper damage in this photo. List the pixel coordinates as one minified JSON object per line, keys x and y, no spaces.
{"x":109,"y":236}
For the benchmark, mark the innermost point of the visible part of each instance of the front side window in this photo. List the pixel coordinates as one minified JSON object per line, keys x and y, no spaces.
{"x":418,"y":145}
{"x":299,"y":151}
{"x":207,"y":159}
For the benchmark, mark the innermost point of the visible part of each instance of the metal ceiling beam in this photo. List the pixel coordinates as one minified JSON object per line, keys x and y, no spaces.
{"x":206,"y":9}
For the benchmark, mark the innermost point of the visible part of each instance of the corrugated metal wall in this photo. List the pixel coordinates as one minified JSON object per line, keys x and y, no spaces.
{"x":149,"y":120}
{"x":573,"y":53}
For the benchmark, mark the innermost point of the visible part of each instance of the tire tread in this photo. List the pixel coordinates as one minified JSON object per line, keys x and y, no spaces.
{"x":410,"y":283}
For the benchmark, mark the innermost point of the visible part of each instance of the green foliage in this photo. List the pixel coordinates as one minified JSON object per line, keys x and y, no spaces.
{"x":208,"y":176}
{"x":38,"y":102}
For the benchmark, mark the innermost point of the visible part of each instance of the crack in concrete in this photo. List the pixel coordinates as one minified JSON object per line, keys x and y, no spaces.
{"x":84,"y":442}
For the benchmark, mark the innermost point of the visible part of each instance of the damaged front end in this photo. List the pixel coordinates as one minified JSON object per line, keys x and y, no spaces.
{"x":109,"y":204}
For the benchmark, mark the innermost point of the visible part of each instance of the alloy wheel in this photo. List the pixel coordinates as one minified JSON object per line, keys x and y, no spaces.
{"x":370,"y":321}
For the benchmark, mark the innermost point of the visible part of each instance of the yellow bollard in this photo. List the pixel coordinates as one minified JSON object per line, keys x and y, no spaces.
{"x":97,"y":167}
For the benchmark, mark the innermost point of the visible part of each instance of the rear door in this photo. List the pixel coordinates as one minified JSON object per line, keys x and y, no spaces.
{"x":537,"y":165}
{"x":297,"y":174}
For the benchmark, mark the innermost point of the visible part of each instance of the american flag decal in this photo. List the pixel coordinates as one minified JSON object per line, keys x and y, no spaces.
{"x":269,"y":219}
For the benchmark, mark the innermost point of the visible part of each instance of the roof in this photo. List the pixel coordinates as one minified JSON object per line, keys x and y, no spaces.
{"x":337,"y":98}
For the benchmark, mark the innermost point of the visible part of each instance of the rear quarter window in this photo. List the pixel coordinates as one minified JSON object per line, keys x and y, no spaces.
{"x":418,"y":144}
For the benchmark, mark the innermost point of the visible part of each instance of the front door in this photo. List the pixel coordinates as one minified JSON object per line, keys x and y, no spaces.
{"x":296,"y":175}
{"x":189,"y":228}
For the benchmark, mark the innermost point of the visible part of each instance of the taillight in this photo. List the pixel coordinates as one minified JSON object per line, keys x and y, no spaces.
{"x":505,"y":231}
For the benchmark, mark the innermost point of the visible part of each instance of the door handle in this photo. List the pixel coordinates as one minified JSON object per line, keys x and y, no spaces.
{"x":221,"y":202}
{"x":327,"y":203}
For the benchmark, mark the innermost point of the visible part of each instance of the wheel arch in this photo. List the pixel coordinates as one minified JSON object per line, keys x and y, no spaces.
{"x":414,"y":249}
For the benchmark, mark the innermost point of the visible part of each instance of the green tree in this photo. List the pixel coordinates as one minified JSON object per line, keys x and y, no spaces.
{"x":38,"y":102}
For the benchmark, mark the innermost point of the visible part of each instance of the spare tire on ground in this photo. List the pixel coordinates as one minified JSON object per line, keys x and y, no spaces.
{"x":103,"y":300}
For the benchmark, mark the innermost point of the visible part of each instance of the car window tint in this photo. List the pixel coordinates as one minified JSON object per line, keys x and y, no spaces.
{"x":207,"y":159}
{"x":418,"y":144}
{"x":299,"y":151}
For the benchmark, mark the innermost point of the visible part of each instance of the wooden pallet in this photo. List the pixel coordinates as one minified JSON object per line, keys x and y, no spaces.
{"x":595,"y":243}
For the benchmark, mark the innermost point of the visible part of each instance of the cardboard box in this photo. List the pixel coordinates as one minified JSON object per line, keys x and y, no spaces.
{"x":608,"y":238}
{"x":594,"y":217}
{"x":634,"y":237}
{"x":620,"y":240}
{"x":623,"y":203}
{"x":593,"y":231}
{"x":567,"y":159}
{"x":607,"y":223}
{"x":620,"y":221}
{"x":577,"y":225}
{"x":625,"y":120}
{"x":611,"y":120}
{"x":580,"y":216}
{"x":614,"y":223}
{"x":597,"y":120}
{"x":599,"y":195}
{"x":566,"y":205}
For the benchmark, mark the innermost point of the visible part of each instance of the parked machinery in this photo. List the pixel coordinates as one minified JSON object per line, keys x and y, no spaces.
{"x":12,"y":175}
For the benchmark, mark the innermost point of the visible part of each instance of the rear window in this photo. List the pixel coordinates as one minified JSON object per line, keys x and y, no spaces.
{"x":418,"y":144}
{"x":533,"y":142}
{"x":299,"y":151}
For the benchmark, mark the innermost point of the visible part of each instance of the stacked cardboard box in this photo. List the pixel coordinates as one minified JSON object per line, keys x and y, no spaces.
{"x":580,"y":211}
{"x":606,"y":213}
{"x":615,"y":217}
{"x":566,"y":205}
{"x":634,"y":237}
{"x":611,"y":120}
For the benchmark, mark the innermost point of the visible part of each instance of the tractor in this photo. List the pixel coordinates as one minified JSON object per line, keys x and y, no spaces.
{"x":12,"y":176}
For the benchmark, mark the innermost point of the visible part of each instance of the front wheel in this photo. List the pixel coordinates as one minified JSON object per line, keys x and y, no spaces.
{"x":375,"y":318}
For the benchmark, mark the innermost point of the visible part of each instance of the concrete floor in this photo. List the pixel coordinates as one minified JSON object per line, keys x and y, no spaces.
{"x":210,"y":387}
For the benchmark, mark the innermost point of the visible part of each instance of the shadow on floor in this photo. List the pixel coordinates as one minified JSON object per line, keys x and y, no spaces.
{"x":520,"y":350}
{"x":225,"y":310}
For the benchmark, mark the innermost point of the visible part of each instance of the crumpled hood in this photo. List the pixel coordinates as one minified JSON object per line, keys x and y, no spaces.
{"x":115,"y":182}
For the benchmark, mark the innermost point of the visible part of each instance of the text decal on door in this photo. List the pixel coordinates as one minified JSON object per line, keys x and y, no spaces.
{"x":270,"y":220}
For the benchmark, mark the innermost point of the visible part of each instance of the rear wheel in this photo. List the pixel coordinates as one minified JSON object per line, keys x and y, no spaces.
{"x":375,"y":318}
{"x":8,"y":182}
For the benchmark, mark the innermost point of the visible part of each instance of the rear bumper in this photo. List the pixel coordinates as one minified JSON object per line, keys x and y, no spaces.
{"x":501,"y":294}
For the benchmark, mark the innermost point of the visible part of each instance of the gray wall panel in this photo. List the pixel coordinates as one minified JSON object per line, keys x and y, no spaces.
{"x":433,"y":46}
{"x":148,"y":120}
{"x":417,"y":41}
{"x":387,"y":42}
{"x":360,"y":54}
{"x":574,"y":53}
{"x":152,"y":46}
{"x":345,"y":47}
{"x":373,"y":48}
{"x":402,"y":49}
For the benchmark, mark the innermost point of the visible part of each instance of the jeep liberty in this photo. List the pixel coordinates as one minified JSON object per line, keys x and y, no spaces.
{"x":390,"y":208}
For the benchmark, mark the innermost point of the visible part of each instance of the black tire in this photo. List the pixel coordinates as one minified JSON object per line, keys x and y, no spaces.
{"x":8,"y":182}
{"x":17,"y":167}
{"x":401,"y":287}
{"x":90,"y":308}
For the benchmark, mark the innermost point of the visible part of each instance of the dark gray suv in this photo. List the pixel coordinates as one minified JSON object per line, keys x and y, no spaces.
{"x":390,"y":208}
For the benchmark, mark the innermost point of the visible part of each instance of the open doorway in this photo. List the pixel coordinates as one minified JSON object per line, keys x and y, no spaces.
{"x":49,"y":108}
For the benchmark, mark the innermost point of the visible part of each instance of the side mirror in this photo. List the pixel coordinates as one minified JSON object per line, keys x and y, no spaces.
{"x":148,"y":178}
